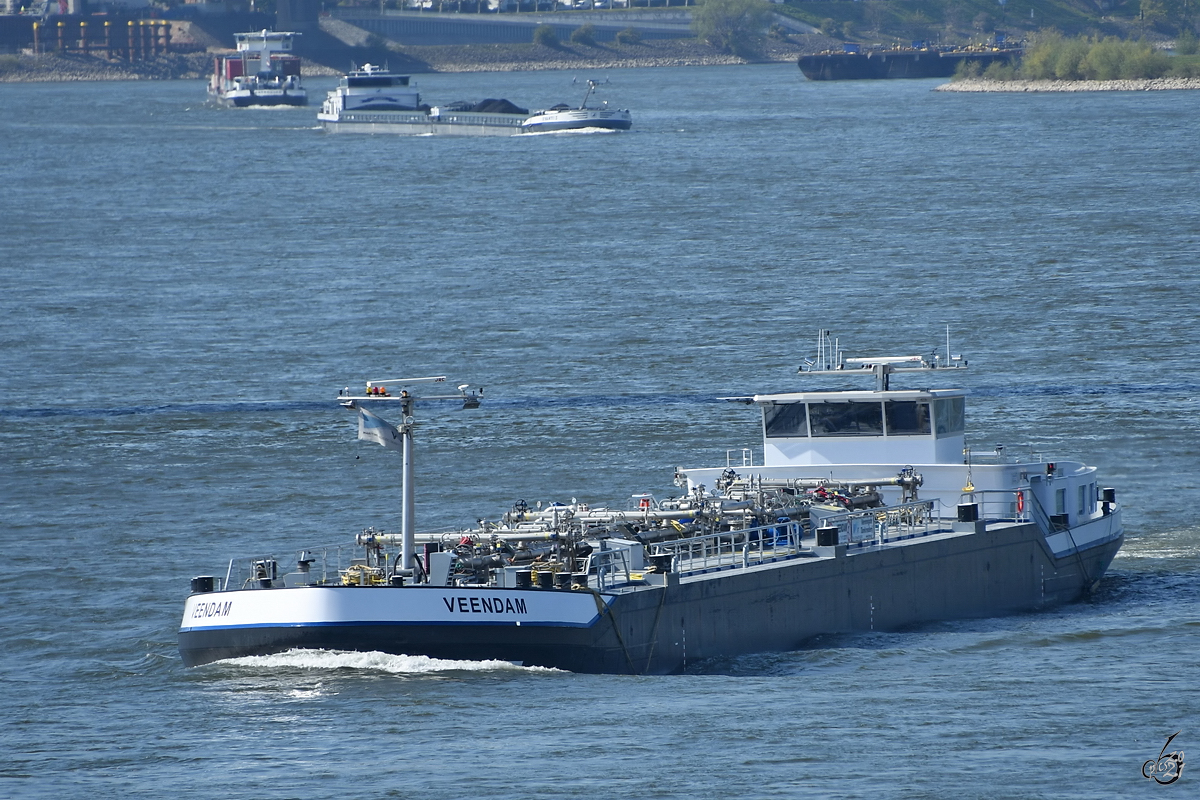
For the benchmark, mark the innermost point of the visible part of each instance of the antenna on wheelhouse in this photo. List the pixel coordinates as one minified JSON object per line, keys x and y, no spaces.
{"x":830,"y":358}
{"x":829,"y":355}
{"x":375,"y":429}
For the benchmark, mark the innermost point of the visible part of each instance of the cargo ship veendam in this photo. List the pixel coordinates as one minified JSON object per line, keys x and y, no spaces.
{"x":864,"y":510}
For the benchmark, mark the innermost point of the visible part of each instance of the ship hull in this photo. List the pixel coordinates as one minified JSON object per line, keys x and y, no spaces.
{"x":419,"y":123}
{"x":248,"y":99}
{"x":886,"y":65}
{"x":552,"y":122}
{"x":661,"y":628}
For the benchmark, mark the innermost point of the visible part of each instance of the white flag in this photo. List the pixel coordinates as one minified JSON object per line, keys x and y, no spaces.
{"x":376,"y":429}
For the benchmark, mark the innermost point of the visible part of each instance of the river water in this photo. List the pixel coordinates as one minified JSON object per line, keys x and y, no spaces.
{"x":186,"y":288}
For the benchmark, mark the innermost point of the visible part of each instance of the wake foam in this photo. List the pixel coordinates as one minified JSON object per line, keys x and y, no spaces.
{"x":375,"y":661}
{"x":572,"y":131}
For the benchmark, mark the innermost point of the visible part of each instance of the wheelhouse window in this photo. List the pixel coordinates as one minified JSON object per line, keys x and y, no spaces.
{"x":907,"y":418}
{"x":1087,"y":498}
{"x":378,"y":81}
{"x":785,"y":419}
{"x":846,"y":419}
{"x":948,"y":416}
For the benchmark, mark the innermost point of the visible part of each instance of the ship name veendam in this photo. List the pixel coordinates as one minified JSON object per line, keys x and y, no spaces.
{"x":212,"y":609}
{"x":485,"y":605}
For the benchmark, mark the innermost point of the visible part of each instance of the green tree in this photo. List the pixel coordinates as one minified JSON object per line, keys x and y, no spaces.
{"x":629,"y":36}
{"x":735,"y":26}
{"x":1105,"y":61}
{"x":1067,"y":67}
{"x":1144,"y":61}
{"x":998,"y":71}
{"x":1186,"y":43}
{"x":1052,"y":56}
{"x":545,"y":35}
{"x":584,"y":34}
{"x":967,"y":70}
{"x":1169,"y":14}
{"x":1038,"y":62}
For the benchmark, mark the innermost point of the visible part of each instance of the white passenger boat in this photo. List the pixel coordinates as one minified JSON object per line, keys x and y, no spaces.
{"x":865,"y":511}
{"x":263,"y":72}
{"x":564,"y":118}
{"x":374,"y":100}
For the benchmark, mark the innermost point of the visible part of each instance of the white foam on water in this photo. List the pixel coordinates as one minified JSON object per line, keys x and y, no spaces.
{"x":373,"y":660}
{"x":572,"y":131}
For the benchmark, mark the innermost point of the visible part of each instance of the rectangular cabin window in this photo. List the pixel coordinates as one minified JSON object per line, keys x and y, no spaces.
{"x":1060,"y":501}
{"x":1083,"y":493}
{"x":949,"y":416}
{"x":375,"y":81}
{"x":785,"y":419}
{"x":907,"y":418}
{"x":846,"y":419}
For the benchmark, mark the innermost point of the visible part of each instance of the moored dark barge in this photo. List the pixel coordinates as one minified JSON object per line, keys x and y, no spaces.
{"x":856,"y":63}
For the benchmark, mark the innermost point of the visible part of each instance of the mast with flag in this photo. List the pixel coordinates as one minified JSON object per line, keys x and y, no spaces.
{"x":373,"y":428}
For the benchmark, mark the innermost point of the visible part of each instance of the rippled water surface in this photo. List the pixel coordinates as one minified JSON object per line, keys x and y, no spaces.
{"x":186,"y":288}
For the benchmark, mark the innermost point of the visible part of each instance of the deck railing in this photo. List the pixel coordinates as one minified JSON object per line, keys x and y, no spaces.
{"x":1015,"y":505}
{"x":609,"y":566}
{"x":311,"y":566}
{"x":742,"y":548}
{"x":889,"y":523}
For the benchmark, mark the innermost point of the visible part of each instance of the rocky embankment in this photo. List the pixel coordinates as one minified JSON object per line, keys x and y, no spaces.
{"x":448,"y":58}
{"x":602,"y":55}
{"x":1145,"y":85}
{"x":78,"y":67}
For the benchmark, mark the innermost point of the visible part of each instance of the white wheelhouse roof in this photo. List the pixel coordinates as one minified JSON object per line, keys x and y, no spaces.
{"x":866,"y":396}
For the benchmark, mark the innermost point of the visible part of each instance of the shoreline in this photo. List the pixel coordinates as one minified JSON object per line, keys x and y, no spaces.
{"x":60,"y":67}
{"x":1137,"y":85}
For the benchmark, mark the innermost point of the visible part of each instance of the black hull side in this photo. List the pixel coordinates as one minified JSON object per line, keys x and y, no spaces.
{"x":892,"y":589}
{"x":886,"y":65}
{"x":775,"y":607}
{"x":575,"y":649}
{"x":606,"y":124}
{"x":251,"y":102}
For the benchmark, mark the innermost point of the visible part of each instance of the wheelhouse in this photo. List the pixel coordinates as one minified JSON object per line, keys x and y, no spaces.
{"x":918,"y":426}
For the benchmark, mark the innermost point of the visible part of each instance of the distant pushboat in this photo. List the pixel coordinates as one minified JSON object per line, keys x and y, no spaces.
{"x":262,"y":72}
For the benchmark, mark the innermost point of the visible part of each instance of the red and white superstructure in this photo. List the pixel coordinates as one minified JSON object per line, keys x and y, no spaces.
{"x":263,"y":72}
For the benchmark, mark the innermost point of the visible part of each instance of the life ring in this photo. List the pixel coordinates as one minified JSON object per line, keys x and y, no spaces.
{"x":1020,"y":502}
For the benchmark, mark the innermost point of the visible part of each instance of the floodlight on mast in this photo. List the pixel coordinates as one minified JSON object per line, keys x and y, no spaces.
{"x":378,"y":391}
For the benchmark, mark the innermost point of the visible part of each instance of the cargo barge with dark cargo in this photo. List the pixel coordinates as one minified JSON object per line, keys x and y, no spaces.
{"x":855,"y":62}
{"x":866,"y":511}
